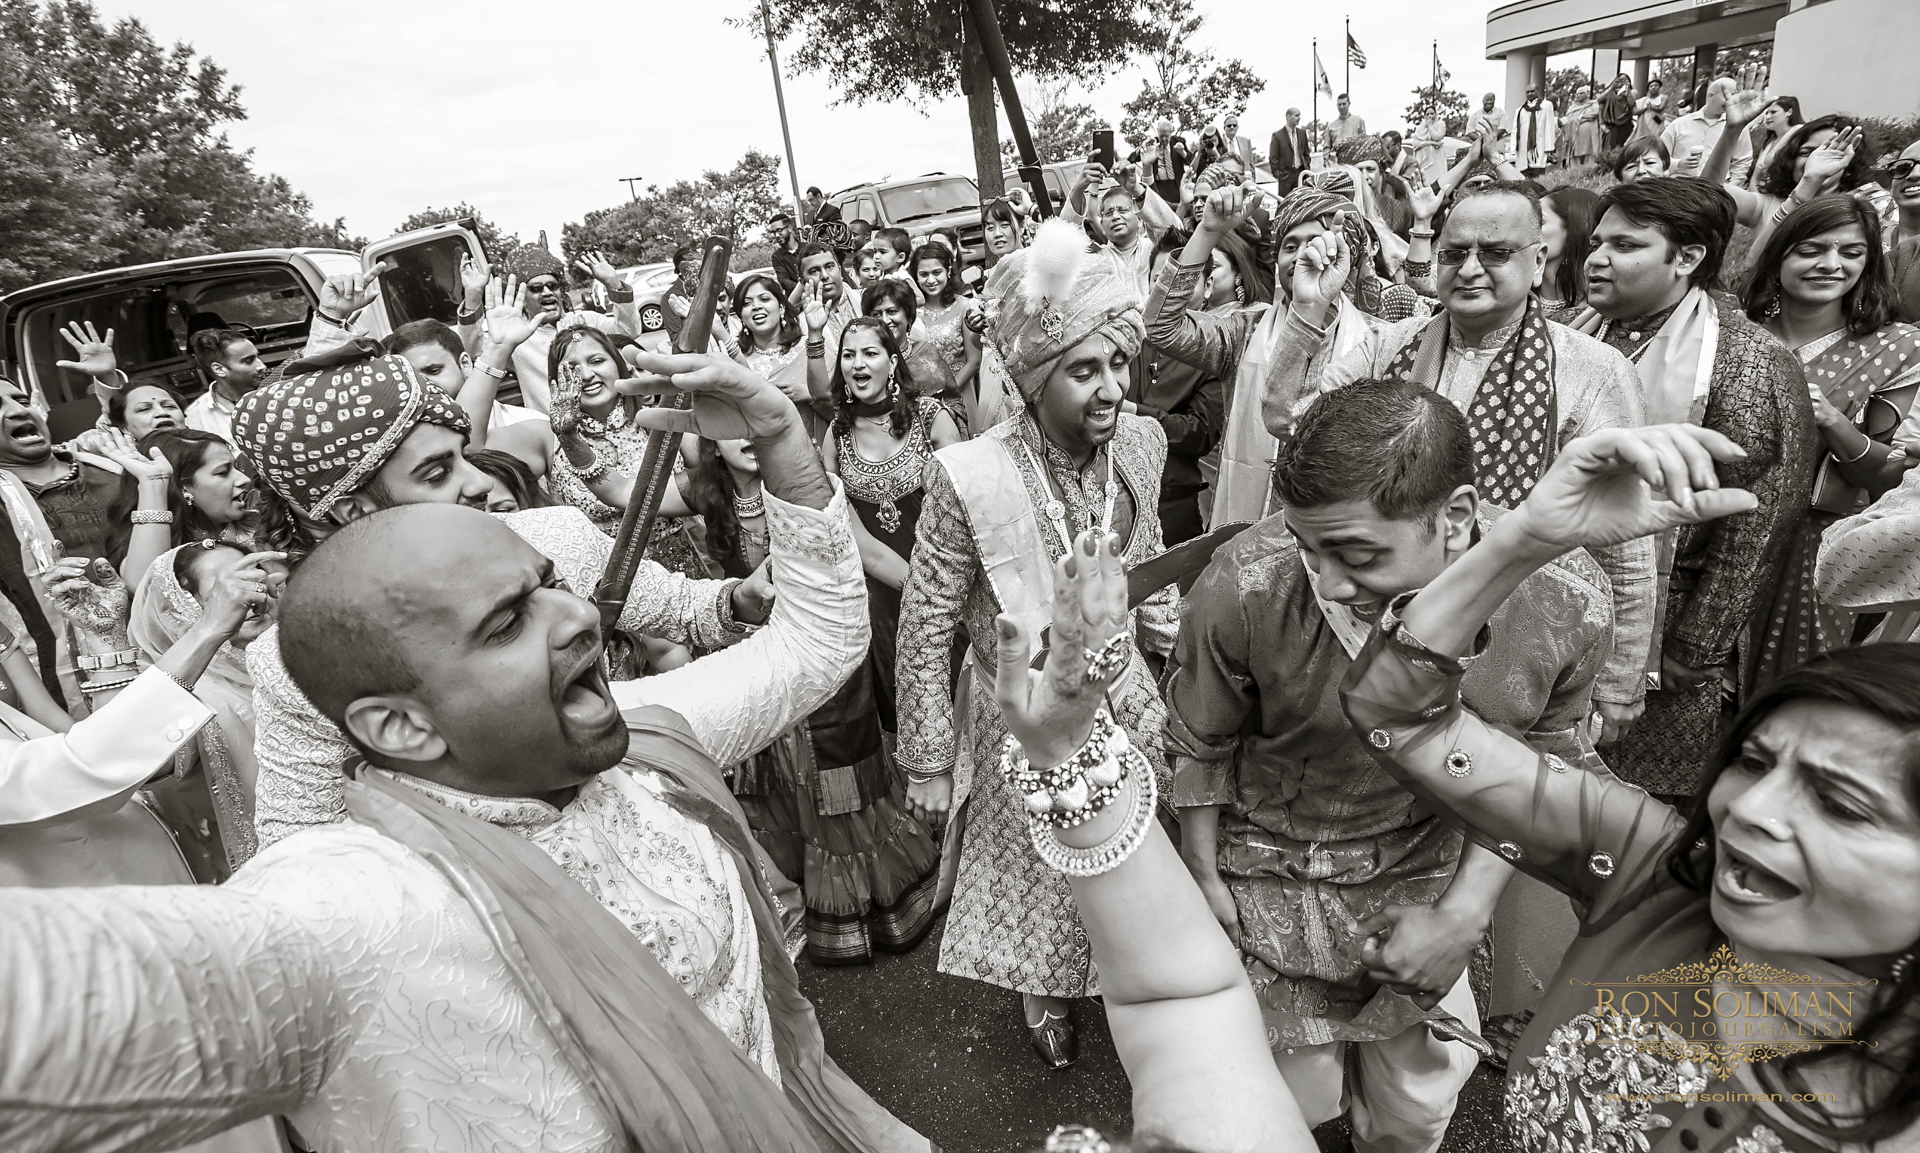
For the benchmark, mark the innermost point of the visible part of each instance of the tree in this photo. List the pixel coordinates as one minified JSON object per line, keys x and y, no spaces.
{"x":90,"y":111}
{"x":647,"y":230}
{"x":493,"y":242}
{"x":918,"y":50}
{"x":1061,"y":129}
{"x":1439,"y":100}
{"x":1183,"y":84}
{"x":1562,"y":83}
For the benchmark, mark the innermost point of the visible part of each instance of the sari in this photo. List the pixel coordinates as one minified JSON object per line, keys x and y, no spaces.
{"x":1871,"y":379}
{"x":213,"y":778}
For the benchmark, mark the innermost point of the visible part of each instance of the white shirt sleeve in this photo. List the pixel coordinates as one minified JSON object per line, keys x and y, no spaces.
{"x":738,"y":700}
{"x":104,"y":757}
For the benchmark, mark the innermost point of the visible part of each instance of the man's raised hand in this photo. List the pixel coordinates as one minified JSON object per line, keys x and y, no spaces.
{"x":1227,"y":208}
{"x":93,"y":352}
{"x":1320,"y":271}
{"x":343,"y":295}
{"x":730,"y":400}
{"x":507,"y":320}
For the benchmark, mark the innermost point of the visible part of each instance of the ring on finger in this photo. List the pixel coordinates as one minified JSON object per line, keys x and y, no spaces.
{"x":1109,"y":660}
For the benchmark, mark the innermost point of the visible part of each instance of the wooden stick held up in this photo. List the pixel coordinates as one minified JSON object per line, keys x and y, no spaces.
{"x":656,"y":466}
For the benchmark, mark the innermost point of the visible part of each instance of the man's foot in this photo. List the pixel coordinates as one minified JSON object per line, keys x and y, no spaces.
{"x":1050,"y":1028}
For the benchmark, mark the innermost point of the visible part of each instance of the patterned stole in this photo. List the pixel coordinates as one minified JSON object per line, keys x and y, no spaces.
{"x":1515,"y":414}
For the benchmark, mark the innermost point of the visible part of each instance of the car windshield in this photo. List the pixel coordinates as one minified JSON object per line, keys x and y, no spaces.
{"x":925,"y":198}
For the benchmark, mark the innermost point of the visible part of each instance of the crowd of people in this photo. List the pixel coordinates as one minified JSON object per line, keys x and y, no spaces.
{"x":1547,"y":622}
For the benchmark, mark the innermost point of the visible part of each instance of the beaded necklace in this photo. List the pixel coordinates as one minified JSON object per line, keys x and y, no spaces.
{"x":1056,"y":512}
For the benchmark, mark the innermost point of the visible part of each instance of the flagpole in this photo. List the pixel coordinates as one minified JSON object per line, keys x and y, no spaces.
{"x":1314,"y":124}
{"x":1349,"y":48}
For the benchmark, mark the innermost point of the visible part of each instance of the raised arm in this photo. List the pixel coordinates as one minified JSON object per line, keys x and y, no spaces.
{"x":1573,"y":829}
{"x":1183,"y":1014}
{"x":1210,"y":343}
{"x":626,"y":314}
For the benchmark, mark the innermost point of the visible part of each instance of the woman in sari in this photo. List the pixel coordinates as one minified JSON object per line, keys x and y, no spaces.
{"x":1820,"y":284}
{"x":168,"y":602}
{"x":826,"y":800}
{"x":943,"y":315}
{"x":1796,"y":865}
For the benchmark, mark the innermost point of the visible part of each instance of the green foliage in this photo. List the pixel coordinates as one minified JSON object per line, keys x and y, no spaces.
{"x":1183,"y":84}
{"x":1562,"y":83}
{"x":1439,"y":100}
{"x":493,"y":242}
{"x":645,"y":231}
{"x":115,"y":154}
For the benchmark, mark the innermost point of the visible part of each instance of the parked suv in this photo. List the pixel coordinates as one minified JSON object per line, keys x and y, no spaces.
{"x":269,"y":294}
{"x":919,"y":205}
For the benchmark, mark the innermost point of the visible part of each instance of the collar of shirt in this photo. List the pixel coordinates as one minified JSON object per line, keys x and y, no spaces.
{"x":521,"y":814}
{"x":1493,"y":340}
{"x":212,"y":401}
{"x":1629,"y":336}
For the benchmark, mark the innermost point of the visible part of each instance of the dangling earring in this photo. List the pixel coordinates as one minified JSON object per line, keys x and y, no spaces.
{"x":1773,"y":301}
{"x":893,"y":381}
{"x":188,"y":497}
{"x":1901,"y":965}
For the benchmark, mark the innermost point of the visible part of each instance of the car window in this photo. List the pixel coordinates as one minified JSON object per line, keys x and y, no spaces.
{"x":153,"y":322}
{"x":933,"y":197}
{"x":425,"y":282}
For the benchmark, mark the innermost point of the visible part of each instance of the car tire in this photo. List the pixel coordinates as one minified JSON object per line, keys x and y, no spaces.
{"x":651,"y":318}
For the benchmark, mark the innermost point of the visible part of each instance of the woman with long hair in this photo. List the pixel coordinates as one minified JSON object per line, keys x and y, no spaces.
{"x":891,"y":301}
{"x":943,"y":313}
{"x":1816,"y":158}
{"x":1796,"y":865}
{"x":589,"y":406}
{"x":825,"y":800}
{"x":1769,"y":132}
{"x":1567,"y":219}
{"x":1821,"y":285}
{"x":772,"y":328}
{"x":168,"y":600}
{"x":210,"y":498}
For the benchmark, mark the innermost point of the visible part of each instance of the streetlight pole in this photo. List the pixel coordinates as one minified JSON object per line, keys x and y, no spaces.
{"x":630,"y":181}
{"x":780,"y":98}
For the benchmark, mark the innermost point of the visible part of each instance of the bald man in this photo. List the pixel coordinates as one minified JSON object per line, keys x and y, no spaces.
{"x":561,"y":852}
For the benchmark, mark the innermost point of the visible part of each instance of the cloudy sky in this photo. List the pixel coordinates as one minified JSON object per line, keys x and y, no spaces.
{"x":534,"y":111}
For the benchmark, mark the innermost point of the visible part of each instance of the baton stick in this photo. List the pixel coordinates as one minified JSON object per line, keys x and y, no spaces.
{"x":656,"y":467}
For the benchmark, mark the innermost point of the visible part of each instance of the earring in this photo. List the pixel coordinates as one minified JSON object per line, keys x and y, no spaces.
{"x":1901,"y":965}
{"x":188,"y":497}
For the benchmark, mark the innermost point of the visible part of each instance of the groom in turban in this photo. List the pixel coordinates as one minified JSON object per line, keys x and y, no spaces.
{"x":999,"y":511}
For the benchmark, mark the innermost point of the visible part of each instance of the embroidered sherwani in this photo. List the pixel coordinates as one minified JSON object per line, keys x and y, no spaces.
{"x":340,"y":979}
{"x":300,"y":752}
{"x":1012,"y":921}
{"x":1314,"y":835}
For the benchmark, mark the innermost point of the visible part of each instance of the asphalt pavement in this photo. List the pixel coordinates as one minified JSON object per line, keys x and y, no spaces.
{"x":950,"y":1057}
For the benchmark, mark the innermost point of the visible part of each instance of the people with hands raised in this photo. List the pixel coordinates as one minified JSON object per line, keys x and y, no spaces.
{"x":152,"y":514}
{"x":94,"y":357}
{"x":343,"y":296}
{"x":1815,"y":158}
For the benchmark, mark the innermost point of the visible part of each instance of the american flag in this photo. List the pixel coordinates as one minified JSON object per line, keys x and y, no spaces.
{"x":1355,"y":57}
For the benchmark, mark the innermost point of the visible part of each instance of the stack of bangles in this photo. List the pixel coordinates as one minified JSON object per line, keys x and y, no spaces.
{"x":1081,"y":788}
{"x":108,"y":670}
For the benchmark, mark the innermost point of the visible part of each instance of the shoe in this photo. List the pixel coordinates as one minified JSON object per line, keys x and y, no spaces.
{"x":1054,"y":1039}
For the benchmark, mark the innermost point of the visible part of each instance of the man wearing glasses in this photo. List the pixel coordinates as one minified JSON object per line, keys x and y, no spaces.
{"x":1127,"y":240}
{"x":1238,"y":146}
{"x":1527,"y":386}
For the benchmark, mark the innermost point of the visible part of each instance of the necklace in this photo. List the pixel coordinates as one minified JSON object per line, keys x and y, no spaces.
{"x":747,"y":508}
{"x":616,"y":420}
{"x":1056,"y":512}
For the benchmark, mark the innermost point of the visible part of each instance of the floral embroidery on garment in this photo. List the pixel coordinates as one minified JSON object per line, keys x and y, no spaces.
{"x":1595,"y":1087}
{"x":1761,"y":1140}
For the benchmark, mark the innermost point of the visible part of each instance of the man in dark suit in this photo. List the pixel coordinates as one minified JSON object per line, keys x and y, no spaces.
{"x":1287,"y":153}
{"x":818,"y":211}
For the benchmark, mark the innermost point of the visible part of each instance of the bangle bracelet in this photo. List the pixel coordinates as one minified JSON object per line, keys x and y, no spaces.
{"x":150,"y":516}
{"x":1111,"y":853}
{"x":1861,"y":455}
{"x":593,"y":471}
{"x":1420,"y":233}
{"x":122,"y":658}
{"x":102,"y":684}
{"x":333,"y":320}
{"x":465,"y":317}
{"x":495,"y":373}
{"x":919,"y":777}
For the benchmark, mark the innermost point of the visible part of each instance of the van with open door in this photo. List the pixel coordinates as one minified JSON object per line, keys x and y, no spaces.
{"x":269,"y":294}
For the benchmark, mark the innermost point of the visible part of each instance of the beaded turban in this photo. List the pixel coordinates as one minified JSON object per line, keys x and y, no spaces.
{"x":531,"y":260}
{"x":318,"y":437}
{"x":1044,"y":299}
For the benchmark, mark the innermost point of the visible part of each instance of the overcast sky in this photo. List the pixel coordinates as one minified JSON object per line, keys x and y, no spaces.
{"x":533,"y":111}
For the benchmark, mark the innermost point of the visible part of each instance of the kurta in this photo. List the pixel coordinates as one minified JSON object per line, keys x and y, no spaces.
{"x":1315,"y":835}
{"x":1012,"y":921}
{"x":1758,"y":398}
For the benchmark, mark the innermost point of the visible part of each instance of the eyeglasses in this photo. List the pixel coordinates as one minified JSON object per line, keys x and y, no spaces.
{"x":1489,"y":257}
{"x":1901,"y":169}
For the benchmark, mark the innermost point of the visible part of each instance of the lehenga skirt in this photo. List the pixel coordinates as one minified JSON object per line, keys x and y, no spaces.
{"x":828,"y":804}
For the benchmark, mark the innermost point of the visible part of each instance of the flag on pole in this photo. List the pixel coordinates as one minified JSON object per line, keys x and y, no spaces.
{"x":1355,"y":57}
{"x":1437,"y":72}
{"x":1320,"y":81}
